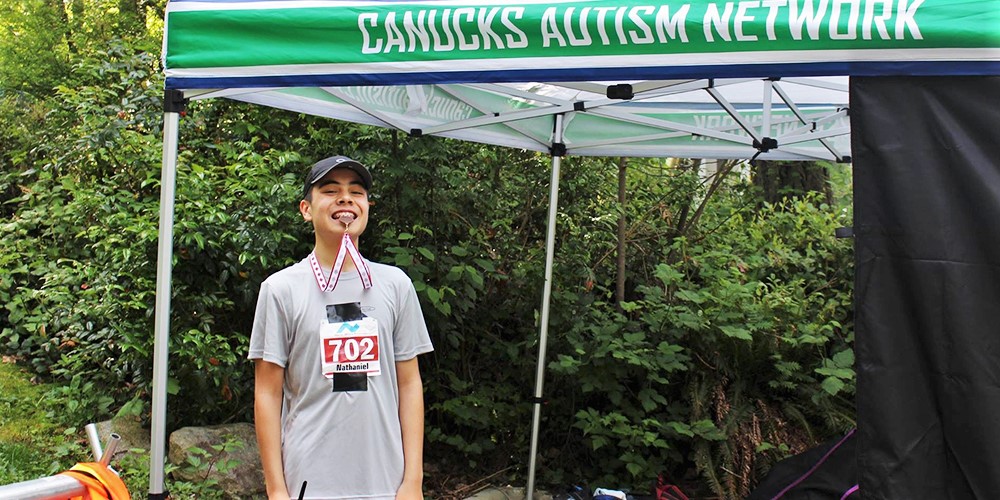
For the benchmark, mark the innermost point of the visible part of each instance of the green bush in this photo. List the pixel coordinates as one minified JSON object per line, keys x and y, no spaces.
{"x":737,"y":354}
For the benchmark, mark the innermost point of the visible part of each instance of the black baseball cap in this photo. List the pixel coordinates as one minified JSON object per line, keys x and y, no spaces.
{"x":324,"y":166}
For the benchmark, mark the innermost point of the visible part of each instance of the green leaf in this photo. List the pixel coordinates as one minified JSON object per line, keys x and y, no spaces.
{"x":477,"y":279}
{"x":633,"y":337}
{"x":736,"y":332}
{"x":634,"y":469}
{"x":708,"y":430}
{"x":426,"y":253}
{"x":173,"y":387}
{"x":681,"y":428}
{"x":841,"y":373}
{"x":444,"y":307}
{"x":691,"y":321}
{"x":762,"y":447}
{"x":844,"y":358}
{"x":629,"y":307}
{"x":485,"y":265}
{"x":667,"y":274}
{"x":832,"y":385}
{"x":690,"y":296}
{"x":598,"y":442}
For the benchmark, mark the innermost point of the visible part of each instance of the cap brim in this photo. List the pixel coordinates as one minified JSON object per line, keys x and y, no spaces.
{"x":323,"y":167}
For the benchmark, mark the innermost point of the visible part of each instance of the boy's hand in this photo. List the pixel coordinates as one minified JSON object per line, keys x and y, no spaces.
{"x":409,"y":491}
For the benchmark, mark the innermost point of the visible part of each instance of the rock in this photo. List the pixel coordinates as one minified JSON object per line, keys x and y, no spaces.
{"x":507,"y":493}
{"x":129,"y":428}
{"x":236,"y":469}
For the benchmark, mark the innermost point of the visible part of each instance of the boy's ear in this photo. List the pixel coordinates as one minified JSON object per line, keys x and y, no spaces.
{"x":304,"y":206}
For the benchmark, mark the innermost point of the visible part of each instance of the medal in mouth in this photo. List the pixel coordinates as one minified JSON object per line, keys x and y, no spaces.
{"x":345,"y":217}
{"x":347,"y":248}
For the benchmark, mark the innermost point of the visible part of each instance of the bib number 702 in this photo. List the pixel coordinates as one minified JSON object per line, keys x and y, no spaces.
{"x":351,"y":349}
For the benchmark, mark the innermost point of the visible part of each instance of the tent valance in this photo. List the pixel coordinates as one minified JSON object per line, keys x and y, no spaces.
{"x":247,"y":43}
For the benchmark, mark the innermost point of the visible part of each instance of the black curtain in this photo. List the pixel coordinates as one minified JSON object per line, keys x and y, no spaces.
{"x":927,"y":235}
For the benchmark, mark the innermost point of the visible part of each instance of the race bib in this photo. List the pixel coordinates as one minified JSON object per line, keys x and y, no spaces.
{"x":350,"y":347}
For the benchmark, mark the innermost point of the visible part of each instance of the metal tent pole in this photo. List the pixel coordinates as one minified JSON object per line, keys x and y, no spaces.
{"x":558,"y":149}
{"x":173,"y":106}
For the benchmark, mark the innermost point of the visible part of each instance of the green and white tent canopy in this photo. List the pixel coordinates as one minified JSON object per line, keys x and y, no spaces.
{"x":666,"y":79}
{"x":763,"y":79}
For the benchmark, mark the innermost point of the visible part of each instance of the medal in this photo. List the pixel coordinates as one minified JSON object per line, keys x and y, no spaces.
{"x":347,"y":247}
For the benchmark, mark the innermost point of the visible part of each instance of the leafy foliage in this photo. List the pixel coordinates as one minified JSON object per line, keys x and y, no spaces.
{"x":730,"y":349}
{"x":732,"y":355}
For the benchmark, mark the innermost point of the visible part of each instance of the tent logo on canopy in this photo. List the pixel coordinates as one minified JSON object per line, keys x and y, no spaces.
{"x":486,"y":28}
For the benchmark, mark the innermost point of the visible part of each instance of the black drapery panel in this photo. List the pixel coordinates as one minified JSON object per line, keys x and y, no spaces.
{"x":825,"y":472}
{"x":927,"y":289}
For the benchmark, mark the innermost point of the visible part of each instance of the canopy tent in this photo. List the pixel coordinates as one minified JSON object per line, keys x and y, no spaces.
{"x":699,"y":79}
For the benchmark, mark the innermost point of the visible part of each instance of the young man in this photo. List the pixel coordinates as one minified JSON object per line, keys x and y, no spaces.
{"x":338,"y":398}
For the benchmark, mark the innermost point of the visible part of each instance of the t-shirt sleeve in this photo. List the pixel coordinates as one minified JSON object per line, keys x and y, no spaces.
{"x":268,"y":338}
{"x":410,"y":335}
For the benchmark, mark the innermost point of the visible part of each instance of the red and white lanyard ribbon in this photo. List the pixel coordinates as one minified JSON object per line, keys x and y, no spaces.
{"x":346,"y":247}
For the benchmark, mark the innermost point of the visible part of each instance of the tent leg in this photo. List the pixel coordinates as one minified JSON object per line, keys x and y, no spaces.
{"x":550,"y":245}
{"x":164,"y":258}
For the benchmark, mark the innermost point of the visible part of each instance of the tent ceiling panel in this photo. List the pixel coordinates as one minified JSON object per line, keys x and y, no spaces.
{"x":666,"y":120}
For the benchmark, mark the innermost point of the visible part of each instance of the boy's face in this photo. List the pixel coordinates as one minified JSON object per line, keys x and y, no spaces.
{"x":339,"y":192}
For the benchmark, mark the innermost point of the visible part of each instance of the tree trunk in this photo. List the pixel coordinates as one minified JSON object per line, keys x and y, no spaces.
{"x":74,"y":24}
{"x":59,"y":8}
{"x":778,"y":180}
{"x":620,"y":275}
{"x":132,"y":16}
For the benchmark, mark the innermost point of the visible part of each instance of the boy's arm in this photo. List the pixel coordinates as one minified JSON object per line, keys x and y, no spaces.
{"x":269,"y":379}
{"x":411,"y":421}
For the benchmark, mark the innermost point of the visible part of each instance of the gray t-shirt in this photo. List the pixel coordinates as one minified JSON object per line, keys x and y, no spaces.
{"x":345,"y":444}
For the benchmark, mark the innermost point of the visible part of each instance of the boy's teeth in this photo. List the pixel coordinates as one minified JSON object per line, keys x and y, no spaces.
{"x":345,"y":217}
